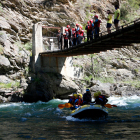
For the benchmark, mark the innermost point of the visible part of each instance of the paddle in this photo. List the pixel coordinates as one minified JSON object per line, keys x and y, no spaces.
{"x":109,"y":105}
{"x":66,"y":105}
{"x":61,"y":106}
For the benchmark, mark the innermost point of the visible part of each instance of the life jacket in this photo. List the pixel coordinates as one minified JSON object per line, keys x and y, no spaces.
{"x":102,"y":98}
{"x":81,"y":33}
{"x":78,"y":102}
{"x":66,"y":36}
{"x":73,"y":32}
{"x":90,"y":27}
{"x":87,"y":28}
{"x":97,"y":23}
{"x":72,"y":100}
{"x":77,"y":32}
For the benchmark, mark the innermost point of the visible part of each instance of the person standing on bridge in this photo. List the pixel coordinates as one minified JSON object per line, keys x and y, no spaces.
{"x":88,"y":31}
{"x":117,"y":17}
{"x":91,"y":27}
{"x":81,"y":35}
{"x":66,"y":34}
{"x":96,"y":26}
{"x":70,"y":35}
{"x":77,"y":33}
{"x":74,"y":36}
{"x":109,"y":21}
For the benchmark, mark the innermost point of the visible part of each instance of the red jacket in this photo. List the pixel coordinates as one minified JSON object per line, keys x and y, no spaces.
{"x":81,"y":34}
{"x":78,"y":102}
{"x":97,"y":24}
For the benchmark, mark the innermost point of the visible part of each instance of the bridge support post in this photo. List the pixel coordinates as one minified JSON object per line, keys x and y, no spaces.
{"x":37,"y":46}
{"x":62,"y":31}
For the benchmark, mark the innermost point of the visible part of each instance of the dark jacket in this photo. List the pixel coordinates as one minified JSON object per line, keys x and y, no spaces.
{"x":102,"y":100}
{"x":86,"y":98}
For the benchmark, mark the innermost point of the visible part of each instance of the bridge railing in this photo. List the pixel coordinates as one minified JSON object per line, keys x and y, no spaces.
{"x":52,"y":43}
{"x":120,"y":27}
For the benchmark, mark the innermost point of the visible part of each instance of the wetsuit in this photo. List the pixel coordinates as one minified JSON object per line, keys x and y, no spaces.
{"x":86,"y":98}
{"x":71,"y":100}
{"x":101,"y":100}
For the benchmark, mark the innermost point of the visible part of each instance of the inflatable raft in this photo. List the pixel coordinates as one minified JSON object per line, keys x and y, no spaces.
{"x":90,"y":112}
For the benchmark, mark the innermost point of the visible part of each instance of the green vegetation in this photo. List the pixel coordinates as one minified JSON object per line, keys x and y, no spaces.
{"x":9,"y":85}
{"x":1,"y":49}
{"x":27,"y":46}
{"x":134,"y":83}
{"x":134,"y":3}
{"x":136,"y":70}
{"x":101,"y":79}
{"x":128,"y":10}
{"x":0,"y":8}
{"x":105,"y":79}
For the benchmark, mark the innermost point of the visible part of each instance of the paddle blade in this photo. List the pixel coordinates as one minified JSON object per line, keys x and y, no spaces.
{"x":61,"y":106}
{"x":108,"y":106}
{"x":68,"y":105}
{"x":114,"y":105}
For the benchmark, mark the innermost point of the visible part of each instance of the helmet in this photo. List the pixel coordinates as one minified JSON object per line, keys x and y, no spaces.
{"x":66,"y":29}
{"x":96,"y":94}
{"x":96,"y":16}
{"x":91,"y":20}
{"x":77,"y":24}
{"x":75,"y":95}
{"x":83,"y":31}
{"x":87,"y":89}
{"x":68,"y":26}
{"x":80,"y":95}
{"x":73,"y":29}
{"x":88,"y":22}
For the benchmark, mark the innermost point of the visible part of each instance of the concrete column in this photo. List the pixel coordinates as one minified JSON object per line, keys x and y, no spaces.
{"x":37,"y":46}
{"x":62,"y":31}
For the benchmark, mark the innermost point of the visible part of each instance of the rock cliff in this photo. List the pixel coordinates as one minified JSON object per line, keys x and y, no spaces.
{"x":16,"y":20}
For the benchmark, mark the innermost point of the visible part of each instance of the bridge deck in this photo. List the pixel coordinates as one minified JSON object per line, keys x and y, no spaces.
{"x":126,"y":36}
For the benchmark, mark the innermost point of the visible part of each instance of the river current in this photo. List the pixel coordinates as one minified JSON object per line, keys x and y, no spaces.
{"x":45,"y":121}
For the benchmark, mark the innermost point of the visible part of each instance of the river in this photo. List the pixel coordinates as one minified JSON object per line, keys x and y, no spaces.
{"x":44,"y":121}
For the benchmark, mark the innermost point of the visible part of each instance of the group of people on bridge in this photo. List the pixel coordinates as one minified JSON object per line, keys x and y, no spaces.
{"x":74,"y":36}
{"x":78,"y":99}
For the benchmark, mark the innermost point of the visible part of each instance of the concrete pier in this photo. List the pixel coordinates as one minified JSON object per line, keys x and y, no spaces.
{"x":37,"y":46}
{"x":62,"y":65}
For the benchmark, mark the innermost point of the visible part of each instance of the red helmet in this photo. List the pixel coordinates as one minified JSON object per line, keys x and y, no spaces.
{"x":77,"y":24}
{"x":66,"y":29}
{"x":68,"y":26}
{"x":88,"y":22}
{"x":73,"y":29}
{"x":96,"y":16}
{"x":91,"y":20}
{"x":82,"y":31}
